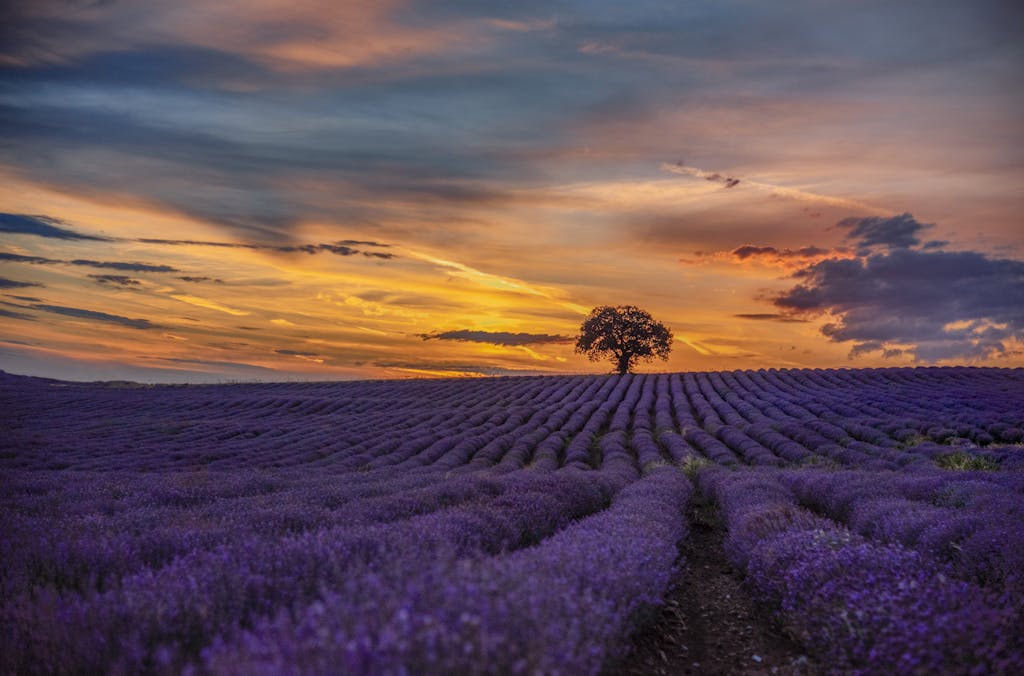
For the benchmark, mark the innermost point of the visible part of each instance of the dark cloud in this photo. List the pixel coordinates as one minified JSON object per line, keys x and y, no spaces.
{"x":751,"y":251}
{"x":97,"y":316}
{"x":934,"y":304}
{"x":748,"y":250}
{"x":35,"y":260}
{"x":49,"y":226}
{"x":130,"y":267}
{"x":117,"y":280}
{"x":42,"y":226}
{"x":13,"y":284}
{"x":770,"y":317}
{"x":341,"y":248}
{"x":199,"y":280}
{"x":12,"y":314}
{"x":111,"y":265}
{"x":359,"y":242}
{"x":496,"y":337}
{"x":296,"y":353}
{"x":894,"y":232}
{"x":193,"y":242}
{"x":866,"y":347}
{"x":727,"y":181}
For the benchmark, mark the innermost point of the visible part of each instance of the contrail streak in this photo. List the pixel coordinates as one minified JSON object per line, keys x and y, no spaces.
{"x":792,"y":193}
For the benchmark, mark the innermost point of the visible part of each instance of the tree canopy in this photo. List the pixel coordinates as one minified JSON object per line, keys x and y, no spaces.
{"x":623,"y":334}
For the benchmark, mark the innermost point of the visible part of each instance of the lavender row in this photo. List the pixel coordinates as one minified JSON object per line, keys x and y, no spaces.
{"x":568,"y":605}
{"x":111,"y":526}
{"x":860,"y":606}
{"x":168,"y":427}
{"x":872,"y":419}
{"x":971,"y":521}
{"x":173,"y":612}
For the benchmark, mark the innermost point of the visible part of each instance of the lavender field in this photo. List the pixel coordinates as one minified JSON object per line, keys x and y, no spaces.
{"x":507,"y":525}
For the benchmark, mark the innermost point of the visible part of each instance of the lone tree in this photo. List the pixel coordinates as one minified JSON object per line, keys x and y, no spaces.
{"x":625,"y":334}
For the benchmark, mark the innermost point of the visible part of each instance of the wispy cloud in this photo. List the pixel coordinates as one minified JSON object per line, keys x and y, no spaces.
{"x":778,"y":190}
{"x":314,"y":357}
{"x":496,"y":337}
{"x":786,"y":258}
{"x":43,"y":226}
{"x":82,"y":262}
{"x":19,"y":258}
{"x":769,"y":317}
{"x":216,"y":363}
{"x":56,"y":228}
{"x":117,"y":265}
{"x":341,"y":248}
{"x":451,"y":369}
{"x":116,"y":280}
{"x":94,"y":315}
{"x":497,"y":282}
{"x":13,"y":314}
{"x":712,"y":176}
{"x":208,"y":304}
{"x":200,"y":280}
{"x":14,"y":284}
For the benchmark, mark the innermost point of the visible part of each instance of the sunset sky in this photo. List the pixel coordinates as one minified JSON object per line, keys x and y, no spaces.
{"x":261,"y":190}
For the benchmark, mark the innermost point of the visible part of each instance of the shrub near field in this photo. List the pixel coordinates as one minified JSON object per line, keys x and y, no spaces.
{"x":510,"y":525}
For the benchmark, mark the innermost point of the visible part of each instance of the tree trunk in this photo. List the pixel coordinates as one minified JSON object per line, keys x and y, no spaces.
{"x":623,"y":364}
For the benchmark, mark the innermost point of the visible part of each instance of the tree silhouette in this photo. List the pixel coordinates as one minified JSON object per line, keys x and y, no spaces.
{"x":624,"y":334}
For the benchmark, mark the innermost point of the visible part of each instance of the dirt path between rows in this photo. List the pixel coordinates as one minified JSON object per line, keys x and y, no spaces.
{"x":709,"y":623}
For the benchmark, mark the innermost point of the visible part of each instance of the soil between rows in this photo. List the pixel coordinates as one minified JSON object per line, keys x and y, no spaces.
{"x":709,"y":624}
